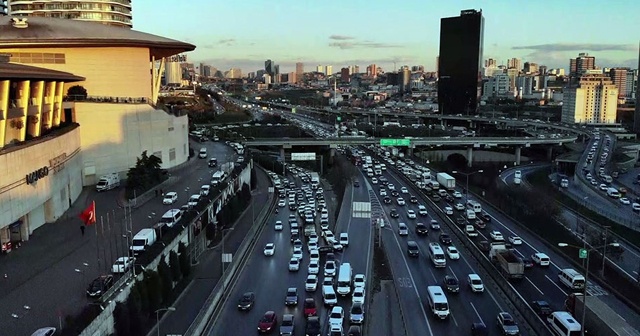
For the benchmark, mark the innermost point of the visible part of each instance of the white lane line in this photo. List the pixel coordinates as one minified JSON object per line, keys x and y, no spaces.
{"x":518,"y":252}
{"x":453,"y":273}
{"x":555,"y":284}
{"x":454,"y":318}
{"x":534,"y":286}
{"x":477,"y":314}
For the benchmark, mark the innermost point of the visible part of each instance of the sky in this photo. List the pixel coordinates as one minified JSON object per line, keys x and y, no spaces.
{"x":245,"y":33}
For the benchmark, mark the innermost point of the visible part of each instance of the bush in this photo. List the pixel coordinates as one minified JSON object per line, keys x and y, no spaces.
{"x":166,"y":281}
{"x":174,"y":264}
{"x":122,"y":323}
{"x":153,"y":285}
{"x":185,"y":263}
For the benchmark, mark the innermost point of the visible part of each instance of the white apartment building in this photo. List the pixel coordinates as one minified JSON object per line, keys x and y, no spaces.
{"x":594,"y":100}
{"x":498,"y":85}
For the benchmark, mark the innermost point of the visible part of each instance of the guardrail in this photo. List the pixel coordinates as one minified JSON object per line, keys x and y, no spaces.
{"x":518,"y":305}
{"x":209,"y":312}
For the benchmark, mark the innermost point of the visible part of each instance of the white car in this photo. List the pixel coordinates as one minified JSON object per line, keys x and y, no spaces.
{"x":422,"y":210}
{"x":278,"y":226}
{"x":625,"y":200}
{"x":358,"y":295}
{"x":635,"y":206}
{"x":515,"y":240}
{"x":344,"y":239}
{"x":374,"y":180}
{"x":401,"y":201}
{"x":541,"y":259}
{"x":313,"y":237}
{"x":312,"y":246}
{"x":336,"y":245}
{"x":391,"y":186}
{"x":459,"y":206}
{"x":457,"y":194}
{"x":383,"y":192}
{"x":411,"y":214}
{"x":404,"y":190}
{"x":330,"y":268}
{"x":475,"y":283}
{"x":311,"y":284}
{"x":328,"y":236}
{"x":448,"y":210}
{"x":282,"y":203}
{"x":269,"y":249}
{"x":297,"y":253}
{"x":402,"y":229}
{"x":294,"y":265}
{"x":314,"y":267}
{"x":336,"y":317}
{"x":359,"y":280}
{"x":434,"y":225}
{"x":453,"y":253}
{"x":170,"y":198}
{"x":122,"y":264}
{"x":193,"y":200}
{"x":496,"y":235}
{"x":314,"y":255}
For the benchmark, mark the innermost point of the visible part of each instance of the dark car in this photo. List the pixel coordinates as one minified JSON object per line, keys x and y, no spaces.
{"x":484,"y":245}
{"x":393,"y":213}
{"x":294,"y":237}
{"x":246,"y":301}
{"x":479,"y":329}
{"x":292,"y":297}
{"x":356,"y":183}
{"x":507,"y":324}
{"x":387,"y":200}
{"x":287,"y":325}
{"x":445,"y":239}
{"x":310,"y":307}
{"x":422,"y":229}
{"x":313,"y":326}
{"x":461,"y":221}
{"x":479,"y":223}
{"x":412,"y":249}
{"x":354,"y":330}
{"x":100,"y":285}
{"x":485,"y":216}
{"x":413,"y":199}
{"x":293,"y":207}
{"x":325,"y":249}
{"x":268,"y":322}
{"x":213,"y":162}
{"x":541,"y":308}
{"x":435,"y":198}
{"x":383,"y":179}
{"x":451,"y":284}
{"x":449,"y":199}
{"x":528,"y":263}
{"x":395,"y":193}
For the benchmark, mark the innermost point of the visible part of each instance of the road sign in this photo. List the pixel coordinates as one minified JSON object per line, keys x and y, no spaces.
{"x":395,"y":142}
{"x":404,"y":142}
{"x":303,"y":156}
{"x":583,"y":254}
{"x":227,"y":257}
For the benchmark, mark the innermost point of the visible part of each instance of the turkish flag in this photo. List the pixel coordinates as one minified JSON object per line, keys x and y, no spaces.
{"x":88,"y":216}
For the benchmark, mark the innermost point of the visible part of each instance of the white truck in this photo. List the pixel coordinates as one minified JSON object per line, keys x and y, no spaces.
{"x":108,"y":182}
{"x":218,"y":177}
{"x":315,"y":180}
{"x":143,"y":239}
{"x":446,"y":181}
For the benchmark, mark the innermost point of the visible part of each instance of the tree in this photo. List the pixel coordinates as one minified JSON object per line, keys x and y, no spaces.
{"x":174,"y":264}
{"x":154,"y":287}
{"x":166,"y":282}
{"x":210,"y":231}
{"x":185,"y":263}
{"x":121,"y":321}
{"x":146,"y":173}
{"x":135,"y":316}
{"x":77,"y":92}
{"x":141,"y":288}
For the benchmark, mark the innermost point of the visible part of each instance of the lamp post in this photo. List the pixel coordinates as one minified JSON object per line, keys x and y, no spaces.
{"x":158,"y":316}
{"x":584,"y":254}
{"x":466,"y":193}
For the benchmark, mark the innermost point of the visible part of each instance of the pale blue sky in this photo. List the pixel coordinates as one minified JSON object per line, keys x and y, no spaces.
{"x":244,"y":33}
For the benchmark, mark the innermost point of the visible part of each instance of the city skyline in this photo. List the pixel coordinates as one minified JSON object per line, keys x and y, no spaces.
{"x":368,"y":33}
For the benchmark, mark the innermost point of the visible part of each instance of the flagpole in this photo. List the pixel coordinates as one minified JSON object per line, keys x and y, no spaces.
{"x":98,"y":247}
{"x":109,"y":235}
{"x":104,"y":250}
{"x":117,"y":235}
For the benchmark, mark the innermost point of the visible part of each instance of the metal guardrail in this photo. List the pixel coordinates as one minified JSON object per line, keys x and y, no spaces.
{"x":210,"y":310}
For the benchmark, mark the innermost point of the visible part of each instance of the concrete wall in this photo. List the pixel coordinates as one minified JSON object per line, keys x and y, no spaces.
{"x":478,"y":155}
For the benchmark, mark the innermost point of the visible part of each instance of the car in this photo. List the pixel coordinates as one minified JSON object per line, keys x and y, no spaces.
{"x":445,"y":239}
{"x":294,"y":264}
{"x":394,"y":213}
{"x":278,"y":226}
{"x":287,"y":325}
{"x":310,"y":308}
{"x":528,"y":263}
{"x":412,"y":249}
{"x":401,"y":201}
{"x":359,"y":280}
{"x":391,"y":186}
{"x":404,"y":190}
{"x":358,"y":295}
{"x":453,"y":253}
{"x":246,"y":301}
{"x":268,"y":322}
{"x":635,"y":206}
{"x":448,"y":211}
{"x":485,"y":217}
{"x":411,"y":214}
{"x":335,"y":330}
{"x":422,"y":210}
{"x":542,"y":308}
{"x":457,"y":194}
{"x":434,"y":225}
{"x":325,"y":249}
{"x":344,"y":239}
{"x":479,"y":223}
{"x":312,"y":245}
{"x":356,"y":314}
{"x":395,"y":193}
{"x":449,"y":199}
{"x":625,"y":200}
{"x":383,"y":192}
{"x":515,"y":240}
{"x":402,"y":229}
{"x":479,"y":329}
{"x":435,"y":197}
{"x":330,"y":268}
{"x":475,"y":283}
{"x":356,"y":183}
{"x":354,"y":330}
{"x":269,"y":249}
{"x":336,"y":316}
{"x":297,"y":253}
{"x":282,"y":203}
{"x":170,"y":198}
{"x":421,"y":229}
{"x":374,"y":180}
{"x":46,"y":331}
{"x":387,"y":200}
{"x":413,"y":199}
{"x":336,"y":245}
{"x":496,"y":235}
{"x":507,"y":324}
{"x":100,"y":285}
{"x":541,"y":259}
{"x":451,"y":284}
{"x":292,"y":297}
{"x":603,"y":187}
{"x":327,"y":281}
{"x":459,"y":206}
{"x":122,"y":264}
{"x":313,"y":326}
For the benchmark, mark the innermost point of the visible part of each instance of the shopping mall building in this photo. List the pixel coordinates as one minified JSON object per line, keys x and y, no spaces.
{"x":52,"y":143}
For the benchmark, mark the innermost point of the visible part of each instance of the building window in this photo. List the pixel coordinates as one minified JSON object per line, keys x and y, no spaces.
{"x":170,"y":129}
{"x":172,"y":154}
{"x":38,"y":58}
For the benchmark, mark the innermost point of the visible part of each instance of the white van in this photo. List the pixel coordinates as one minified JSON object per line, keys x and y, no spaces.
{"x":437,"y":255}
{"x":203,"y":153}
{"x":344,"y":279}
{"x":571,"y":278}
{"x":329,"y":296}
{"x":142,"y":239}
{"x":563,"y":324}
{"x":613,"y":193}
{"x":171,"y":217}
{"x":471,"y":214}
{"x":438,"y":302}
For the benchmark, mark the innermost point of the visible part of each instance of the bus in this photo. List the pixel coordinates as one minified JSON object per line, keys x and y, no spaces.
{"x":438,"y":302}
{"x":437,"y":255}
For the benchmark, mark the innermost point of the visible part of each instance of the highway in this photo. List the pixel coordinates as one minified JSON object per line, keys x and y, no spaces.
{"x":269,"y":277}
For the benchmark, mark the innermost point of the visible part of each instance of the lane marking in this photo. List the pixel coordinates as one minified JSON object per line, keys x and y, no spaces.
{"x":555,"y":284}
{"x":477,"y":314}
{"x":534,"y":286}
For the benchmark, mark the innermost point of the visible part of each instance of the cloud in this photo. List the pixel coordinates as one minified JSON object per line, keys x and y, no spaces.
{"x":341,"y":37}
{"x":555,"y":47}
{"x":364,"y":44}
{"x":227,"y":42}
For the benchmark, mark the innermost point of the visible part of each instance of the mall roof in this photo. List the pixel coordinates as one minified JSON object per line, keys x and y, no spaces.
{"x":39,"y":32}
{"x":20,"y":71}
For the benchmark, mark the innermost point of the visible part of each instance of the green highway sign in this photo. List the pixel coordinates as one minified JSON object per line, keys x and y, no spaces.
{"x":395,"y":142}
{"x":583,"y":254}
{"x":339,"y":118}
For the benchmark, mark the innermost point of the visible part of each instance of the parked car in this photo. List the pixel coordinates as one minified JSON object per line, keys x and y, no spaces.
{"x":100,"y":285}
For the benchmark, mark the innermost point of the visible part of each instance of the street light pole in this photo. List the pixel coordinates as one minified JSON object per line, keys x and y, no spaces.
{"x":604,"y":248}
{"x":466,"y":197}
{"x":158,"y":316}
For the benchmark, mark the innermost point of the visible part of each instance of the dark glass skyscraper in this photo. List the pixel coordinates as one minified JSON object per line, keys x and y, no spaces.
{"x":459,"y":68}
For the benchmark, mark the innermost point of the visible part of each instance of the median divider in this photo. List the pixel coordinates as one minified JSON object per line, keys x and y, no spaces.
{"x":212,"y":307}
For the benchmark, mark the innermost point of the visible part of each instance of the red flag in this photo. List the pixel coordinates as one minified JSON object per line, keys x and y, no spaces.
{"x":88,"y":216}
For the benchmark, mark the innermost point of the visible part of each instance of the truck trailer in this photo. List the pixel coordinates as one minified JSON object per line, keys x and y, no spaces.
{"x":600,"y":318}
{"x":446,"y":181}
{"x":508,"y":262}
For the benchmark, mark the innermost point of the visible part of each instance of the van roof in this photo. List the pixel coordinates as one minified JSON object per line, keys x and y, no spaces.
{"x":170,"y":213}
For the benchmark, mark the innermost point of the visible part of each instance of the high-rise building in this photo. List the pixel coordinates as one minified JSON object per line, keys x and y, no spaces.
{"x":524,"y":85}
{"x":115,"y":13}
{"x":234,"y":73}
{"x":636,"y":114}
{"x":320,"y":69}
{"x":632,"y":82}
{"x":530,"y":68}
{"x":328,"y":70}
{"x":345,"y":75}
{"x":594,"y":100}
{"x":207,"y":71}
{"x":490,"y":62}
{"x":460,"y":63}
{"x":542,"y":69}
{"x":619,"y":78}
{"x":270,"y":67}
{"x":372,"y":70}
{"x":404,"y":77}
{"x":356,"y":69}
{"x":579,"y":65}
{"x":497,"y":85}
{"x":299,"y":69}
{"x":514,"y":63}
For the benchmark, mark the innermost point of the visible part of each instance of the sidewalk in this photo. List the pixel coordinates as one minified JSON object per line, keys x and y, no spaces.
{"x":208,"y":271}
